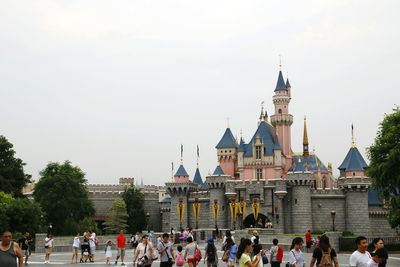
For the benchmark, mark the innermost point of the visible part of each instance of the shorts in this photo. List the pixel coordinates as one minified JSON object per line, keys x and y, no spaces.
{"x":231,"y":262}
{"x":48,"y":250}
{"x":75,"y":249}
{"x":27,"y":252}
{"x":166,"y":264}
{"x":308,"y":244}
{"x":92,"y":250}
{"x":121,"y":252}
{"x":191,"y":260}
{"x":275,"y":264}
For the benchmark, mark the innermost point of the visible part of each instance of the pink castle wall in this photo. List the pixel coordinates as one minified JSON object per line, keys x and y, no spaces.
{"x":248,"y":174}
{"x":181,"y":179}
{"x":228,"y":166}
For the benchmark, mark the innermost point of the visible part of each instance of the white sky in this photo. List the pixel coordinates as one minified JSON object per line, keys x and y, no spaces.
{"x":117,"y":86}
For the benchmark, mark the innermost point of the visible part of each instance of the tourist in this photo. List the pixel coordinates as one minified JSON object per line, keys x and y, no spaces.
{"x":361,"y":256}
{"x":257,"y":250}
{"x":85,"y":247}
{"x":48,"y":247}
{"x":166,"y":252}
{"x":92,"y":243}
{"x":243,"y":254}
{"x":144,"y":253}
{"x":10,"y":251}
{"x":149,"y":236}
{"x":232,"y":251}
{"x":134,"y":242}
{"x":75,"y":247}
{"x":316,"y":241}
{"x":324,"y":254}
{"x":181,"y":237}
{"x":296,"y":256}
{"x":210,"y":254}
{"x":108,"y":251}
{"x":308,"y":240}
{"x":276,"y":254}
{"x":376,"y":244}
{"x":227,"y":234}
{"x":121,"y":244}
{"x":180,"y":259}
{"x":190,"y":252}
{"x":255,"y":238}
{"x":172,"y":235}
{"x":24,"y":243}
{"x":378,"y":257}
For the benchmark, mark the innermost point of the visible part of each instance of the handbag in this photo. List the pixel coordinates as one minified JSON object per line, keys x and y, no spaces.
{"x":142,"y":260}
{"x":264,"y":258}
{"x":288,"y":263}
{"x":166,"y":251}
{"x":225,"y":256}
{"x":197,"y":254}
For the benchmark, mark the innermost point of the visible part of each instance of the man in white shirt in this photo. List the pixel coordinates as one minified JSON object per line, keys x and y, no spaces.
{"x":361,"y":256}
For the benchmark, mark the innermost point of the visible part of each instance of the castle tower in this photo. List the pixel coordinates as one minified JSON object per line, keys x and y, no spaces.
{"x":300,"y":181}
{"x":282,"y":120}
{"x":179,"y":190}
{"x":227,"y":153}
{"x":355,"y":184}
{"x":216,"y":185}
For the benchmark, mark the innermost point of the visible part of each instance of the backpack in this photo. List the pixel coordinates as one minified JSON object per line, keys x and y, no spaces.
{"x":279,"y":254}
{"x":179,"y":259}
{"x":326,"y":260}
{"x":197,"y":255}
{"x":211,"y":253}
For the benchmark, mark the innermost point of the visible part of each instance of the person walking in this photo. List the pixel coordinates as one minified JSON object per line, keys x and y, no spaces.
{"x":25,"y":243}
{"x":361,"y":256}
{"x":144,"y":253}
{"x":296,"y":256}
{"x":75,"y":247}
{"x":378,"y":257}
{"x":210,"y":254}
{"x":48,"y":247}
{"x":92,"y":243}
{"x":255,"y":238}
{"x":308,"y":237}
{"x":324,"y":255}
{"x":378,"y":243}
{"x":10,"y":251}
{"x":232,"y":251}
{"x":166,"y":252}
{"x":243,"y":254}
{"x":227,"y":235}
{"x":121,"y":245}
{"x":190,"y":252}
{"x":276,"y":254}
{"x":108,"y":252}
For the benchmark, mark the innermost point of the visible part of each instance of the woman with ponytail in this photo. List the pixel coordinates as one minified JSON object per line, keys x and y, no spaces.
{"x":243,"y":254}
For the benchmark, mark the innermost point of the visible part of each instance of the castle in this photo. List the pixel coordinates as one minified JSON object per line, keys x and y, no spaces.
{"x":264,"y":183}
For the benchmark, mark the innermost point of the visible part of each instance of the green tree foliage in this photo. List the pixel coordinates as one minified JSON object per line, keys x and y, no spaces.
{"x":134,"y":200}
{"x":116,"y":217}
{"x":384,"y":168}
{"x":62,"y":195}
{"x":18,"y":214}
{"x":12,"y":175}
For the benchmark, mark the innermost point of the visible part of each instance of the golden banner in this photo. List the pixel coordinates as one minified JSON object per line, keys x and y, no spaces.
{"x":181,"y":210}
{"x":233,"y":207}
{"x":216,"y":211}
{"x":255,"y":208}
{"x":196,"y":210}
{"x":242,"y":208}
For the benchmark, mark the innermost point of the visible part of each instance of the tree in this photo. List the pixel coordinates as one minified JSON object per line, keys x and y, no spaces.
{"x":116,"y":217}
{"x":384,"y":169}
{"x":18,"y":214}
{"x":12,"y":175}
{"x":134,"y":200}
{"x":62,"y":195}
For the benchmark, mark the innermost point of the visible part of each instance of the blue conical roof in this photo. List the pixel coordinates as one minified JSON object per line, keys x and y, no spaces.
{"x":267,"y":134}
{"x":353,"y":161}
{"x":181,"y":171}
{"x":280,"y":84}
{"x":242,"y":145}
{"x":227,"y":140}
{"x":197,"y":178}
{"x":277,"y":145}
{"x":287,"y":83}
{"x":218,"y":171}
{"x":299,"y":166}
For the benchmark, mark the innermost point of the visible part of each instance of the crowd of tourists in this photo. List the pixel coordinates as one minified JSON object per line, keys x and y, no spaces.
{"x":248,"y":252}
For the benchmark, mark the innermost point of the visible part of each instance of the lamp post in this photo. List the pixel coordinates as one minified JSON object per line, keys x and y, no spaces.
{"x":333,"y":214}
{"x":148,"y":221}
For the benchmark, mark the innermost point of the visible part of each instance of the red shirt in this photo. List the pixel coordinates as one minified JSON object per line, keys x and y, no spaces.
{"x":121,"y":241}
{"x":308,"y":236}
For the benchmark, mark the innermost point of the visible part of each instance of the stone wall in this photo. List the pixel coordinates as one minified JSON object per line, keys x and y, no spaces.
{"x":152,"y":206}
{"x":323,"y":202}
{"x":379,"y":225}
{"x":357,"y":214}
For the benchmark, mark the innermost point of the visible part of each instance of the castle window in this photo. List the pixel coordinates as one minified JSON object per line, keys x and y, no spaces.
{"x":258,"y":152}
{"x":259,"y":174}
{"x":280,"y":111}
{"x":354,"y":174}
{"x":295,"y":201}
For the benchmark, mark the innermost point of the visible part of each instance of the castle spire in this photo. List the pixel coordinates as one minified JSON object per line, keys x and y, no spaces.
{"x":305,"y":139}
{"x":262,"y":111}
{"x":353,"y":140}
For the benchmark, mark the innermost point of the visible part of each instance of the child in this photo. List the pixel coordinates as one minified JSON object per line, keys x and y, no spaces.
{"x":377,"y":257}
{"x":180,"y":260}
{"x":85,"y":255}
{"x":108,"y":252}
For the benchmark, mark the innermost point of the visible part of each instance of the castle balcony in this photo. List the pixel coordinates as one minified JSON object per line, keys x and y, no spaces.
{"x":281,"y":119}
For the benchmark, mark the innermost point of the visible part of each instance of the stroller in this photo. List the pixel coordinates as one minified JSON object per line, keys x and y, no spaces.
{"x":85,"y":251}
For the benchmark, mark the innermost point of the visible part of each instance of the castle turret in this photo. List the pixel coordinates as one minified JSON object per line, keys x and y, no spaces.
{"x":216,"y":185}
{"x":227,"y":153}
{"x":300,"y":181}
{"x":355,"y":184}
{"x":282,"y":120}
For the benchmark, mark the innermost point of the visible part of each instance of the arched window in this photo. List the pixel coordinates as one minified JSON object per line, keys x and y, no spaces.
{"x":280,"y":111}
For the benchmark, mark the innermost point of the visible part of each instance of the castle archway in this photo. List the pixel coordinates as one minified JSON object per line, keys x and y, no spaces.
{"x":250,"y":222}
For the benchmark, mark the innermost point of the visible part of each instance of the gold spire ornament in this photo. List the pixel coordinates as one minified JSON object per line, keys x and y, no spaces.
{"x":353,"y":140}
{"x":305,"y":139}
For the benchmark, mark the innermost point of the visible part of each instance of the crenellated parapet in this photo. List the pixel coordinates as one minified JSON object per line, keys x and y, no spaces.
{"x":354,"y":183}
{"x":300,"y":178}
{"x":177,"y":189}
{"x":217,"y":182}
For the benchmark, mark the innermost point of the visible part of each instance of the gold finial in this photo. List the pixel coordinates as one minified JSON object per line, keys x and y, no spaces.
{"x":262,"y":111}
{"x":353,"y":140}
{"x":181,"y":154}
{"x":280,"y":62}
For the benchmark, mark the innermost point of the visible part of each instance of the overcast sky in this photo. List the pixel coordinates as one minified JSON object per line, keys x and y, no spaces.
{"x":117,"y":86}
